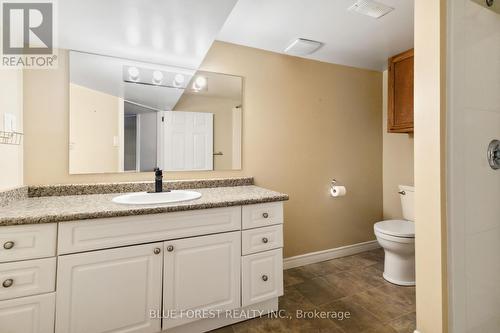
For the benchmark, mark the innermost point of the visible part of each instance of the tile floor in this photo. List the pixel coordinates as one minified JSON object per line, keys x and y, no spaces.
{"x":351,"y":284}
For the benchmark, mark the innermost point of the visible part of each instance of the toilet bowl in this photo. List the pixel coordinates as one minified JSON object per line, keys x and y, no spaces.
{"x":397,"y":238}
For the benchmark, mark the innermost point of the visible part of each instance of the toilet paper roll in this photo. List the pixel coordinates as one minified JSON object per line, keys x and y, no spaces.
{"x":338,"y":191}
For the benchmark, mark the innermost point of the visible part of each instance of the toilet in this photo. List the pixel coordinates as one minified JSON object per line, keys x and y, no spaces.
{"x":397,"y":238}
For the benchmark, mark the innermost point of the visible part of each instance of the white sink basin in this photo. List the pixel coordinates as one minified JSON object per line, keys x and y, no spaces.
{"x":145,"y":198}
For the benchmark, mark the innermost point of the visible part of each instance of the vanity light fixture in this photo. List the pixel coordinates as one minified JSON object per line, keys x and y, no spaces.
{"x":157,"y":77}
{"x":199,"y":83}
{"x":178,"y":80}
{"x":133,"y":73}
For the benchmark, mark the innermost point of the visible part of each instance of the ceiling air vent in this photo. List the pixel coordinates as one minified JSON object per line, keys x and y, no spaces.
{"x":301,"y":47}
{"x":371,"y":8}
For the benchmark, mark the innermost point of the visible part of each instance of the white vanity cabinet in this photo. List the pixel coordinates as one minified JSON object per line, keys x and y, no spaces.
{"x":110,"y":290}
{"x":133,"y":274}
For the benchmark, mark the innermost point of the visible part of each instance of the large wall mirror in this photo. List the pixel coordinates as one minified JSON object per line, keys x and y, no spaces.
{"x":128,"y":116}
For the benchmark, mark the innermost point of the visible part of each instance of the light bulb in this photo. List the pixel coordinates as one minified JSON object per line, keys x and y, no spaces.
{"x":199,"y":83}
{"x":157,"y":77}
{"x":178,"y":80}
{"x":133,"y":73}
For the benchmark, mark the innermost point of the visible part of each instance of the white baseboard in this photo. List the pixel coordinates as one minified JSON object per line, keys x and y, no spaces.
{"x":314,"y":257}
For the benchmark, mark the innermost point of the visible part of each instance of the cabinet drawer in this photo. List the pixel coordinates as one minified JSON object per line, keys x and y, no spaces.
{"x":27,"y":241}
{"x":261,"y":239}
{"x":261,"y":215}
{"x":262,"y":276}
{"x":29,"y":277}
{"x":33,"y":314}
{"x":119,"y":231}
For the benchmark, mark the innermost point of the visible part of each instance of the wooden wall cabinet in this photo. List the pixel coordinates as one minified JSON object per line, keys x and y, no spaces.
{"x":400,"y":99}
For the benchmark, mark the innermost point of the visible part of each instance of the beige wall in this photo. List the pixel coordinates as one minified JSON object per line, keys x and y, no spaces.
{"x":304,"y":123}
{"x":11,"y":101}
{"x":430,"y":201}
{"x":94,"y":122}
{"x":222,"y":108}
{"x":397,"y":163}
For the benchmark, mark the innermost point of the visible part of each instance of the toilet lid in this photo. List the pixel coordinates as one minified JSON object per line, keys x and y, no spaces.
{"x":397,"y":228}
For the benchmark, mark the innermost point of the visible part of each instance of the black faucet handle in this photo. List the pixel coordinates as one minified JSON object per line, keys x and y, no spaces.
{"x":158,"y":172}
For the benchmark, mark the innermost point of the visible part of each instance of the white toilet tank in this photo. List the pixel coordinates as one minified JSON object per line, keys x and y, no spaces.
{"x":407,"y":195}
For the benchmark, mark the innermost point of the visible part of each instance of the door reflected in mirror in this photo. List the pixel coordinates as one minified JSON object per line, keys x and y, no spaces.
{"x":128,"y":116}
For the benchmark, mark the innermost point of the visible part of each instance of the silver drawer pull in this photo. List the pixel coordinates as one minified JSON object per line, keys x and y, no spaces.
{"x":265,"y":215}
{"x":7,"y":283}
{"x":265,"y":240}
{"x":157,"y":250}
{"x":265,"y":278}
{"x":170,"y":248}
{"x":8,"y":245}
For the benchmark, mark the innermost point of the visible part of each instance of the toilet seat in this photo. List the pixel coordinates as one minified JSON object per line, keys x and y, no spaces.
{"x":396,"y":228}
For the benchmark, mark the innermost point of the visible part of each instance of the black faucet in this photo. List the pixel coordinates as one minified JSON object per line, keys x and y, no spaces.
{"x":158,"y":180}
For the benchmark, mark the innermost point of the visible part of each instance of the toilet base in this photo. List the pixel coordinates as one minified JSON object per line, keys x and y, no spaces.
{"x":399,"y":261}
{"x":397,"y":282}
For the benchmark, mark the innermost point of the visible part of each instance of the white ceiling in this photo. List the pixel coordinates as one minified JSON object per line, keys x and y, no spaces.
{"x":169,"y":32}
{"x":350,"y":38}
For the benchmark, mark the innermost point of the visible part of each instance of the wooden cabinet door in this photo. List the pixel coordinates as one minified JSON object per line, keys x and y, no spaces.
{"x":201,"y":273}
{"x":32,"y":314}
{"x":400,"y":98}
{"x":110,"y":290}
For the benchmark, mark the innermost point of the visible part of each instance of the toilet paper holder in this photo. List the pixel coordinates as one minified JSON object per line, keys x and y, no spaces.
{"x":337,"y":190}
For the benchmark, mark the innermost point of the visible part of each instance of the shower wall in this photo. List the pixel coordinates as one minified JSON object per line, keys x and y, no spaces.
{"x":473,"y":106}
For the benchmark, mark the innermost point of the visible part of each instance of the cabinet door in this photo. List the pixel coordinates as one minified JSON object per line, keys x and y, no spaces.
{"x":201,"y":273}
{"x":33,"y":314}
{"x":262,"y":276}
{"x":400,"y":99}
{"x":110,"y":291}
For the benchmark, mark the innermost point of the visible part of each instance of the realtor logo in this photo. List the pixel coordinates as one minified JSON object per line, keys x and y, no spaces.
{"x":28,"y":34}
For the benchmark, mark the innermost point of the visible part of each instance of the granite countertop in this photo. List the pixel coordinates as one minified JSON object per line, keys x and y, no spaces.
{"x":50,"y":209}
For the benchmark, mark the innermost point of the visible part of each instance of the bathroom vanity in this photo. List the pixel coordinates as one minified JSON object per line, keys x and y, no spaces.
{"x":115,"y":268}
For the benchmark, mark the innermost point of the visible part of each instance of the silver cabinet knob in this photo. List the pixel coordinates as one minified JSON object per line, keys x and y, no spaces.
{"x":157,"y":250}
{"x":265,"y":278}
{"x":7,"y":283}
{"x":265,"y":215}
{"x":265,"y":240}
{"x":8,"y":245}
{"x":170,"y":248}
